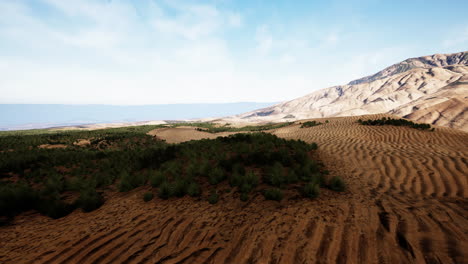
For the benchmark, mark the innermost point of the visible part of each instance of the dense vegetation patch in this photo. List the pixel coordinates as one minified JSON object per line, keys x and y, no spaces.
{"x":57,"y":181}
{"x":395,"y":122}
{"x":311,"y":124}
{"x":212,"y":128}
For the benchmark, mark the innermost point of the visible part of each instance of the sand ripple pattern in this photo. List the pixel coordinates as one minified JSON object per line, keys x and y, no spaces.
{"x":407,"y":203}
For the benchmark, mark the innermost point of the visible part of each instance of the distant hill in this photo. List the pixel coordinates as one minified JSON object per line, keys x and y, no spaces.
{"x":431,"y":89}
{"x":29,"y":116}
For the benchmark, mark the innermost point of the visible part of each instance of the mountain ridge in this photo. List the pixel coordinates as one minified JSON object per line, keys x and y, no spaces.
{"x":430,"y":61}
{"x":400,"y":93}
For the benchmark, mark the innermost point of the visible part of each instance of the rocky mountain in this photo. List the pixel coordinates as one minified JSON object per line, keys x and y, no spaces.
{"x":436,"y":60}
{"x":431,"y":89}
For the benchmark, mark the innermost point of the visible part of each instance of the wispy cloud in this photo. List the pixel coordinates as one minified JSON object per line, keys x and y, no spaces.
{"x":171,"y":51}
{"x":264,"y":40}
{"x":457,"y":37}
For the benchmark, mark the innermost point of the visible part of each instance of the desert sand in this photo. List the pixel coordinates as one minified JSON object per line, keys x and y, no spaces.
{"x":406,"y":203}
{"x":184,"y":133}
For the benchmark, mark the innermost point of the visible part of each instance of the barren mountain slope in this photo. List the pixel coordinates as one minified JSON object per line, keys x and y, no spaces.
{"x":423,"y":85}
{"x":407,"y":202}
{"x":436,"y":60}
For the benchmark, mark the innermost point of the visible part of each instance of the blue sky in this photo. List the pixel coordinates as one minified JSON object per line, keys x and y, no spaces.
{"x":162,"y":51}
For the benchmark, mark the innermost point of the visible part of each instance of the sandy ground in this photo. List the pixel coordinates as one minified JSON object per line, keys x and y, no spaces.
{"x":52,"y":146}
{"x":406,"y":203}
{"x":184,"y":133}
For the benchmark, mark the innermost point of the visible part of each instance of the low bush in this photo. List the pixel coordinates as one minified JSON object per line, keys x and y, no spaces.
{"x":194,"y":189}
{"x":216,"y":176}
{"x":337,"y":184}
{"x":55,"y":208}
{"x":179,"y":188}
{"x":15,"y":198}
{"x":157,"y":178}
{"x":311,"y":190}
{"x":164,"y":191}
{"x":244,"y":197}
{"x":273,"y":194}
{"x":148,"y":196}
{"x":395,"y":122}
{"x":313,"y":146}
{"x":89,"y":200}
{"x":310,"y":124}
{"x":129,"y":182}
{"x":214,"y":197}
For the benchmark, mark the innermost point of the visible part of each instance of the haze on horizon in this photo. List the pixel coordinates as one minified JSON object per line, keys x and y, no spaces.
{"x":160,"y":52}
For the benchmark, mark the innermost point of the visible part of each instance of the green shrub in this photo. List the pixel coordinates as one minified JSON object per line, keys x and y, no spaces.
{"x":244,"y":197}
{"x":129,"y":182}
{"x":157,"y":178}
{"x":311,"y":190}
{"x":194,"y":189}
{"x":148,"y":196}
{"x":216,"y":176}
{"x":89,"y":200}
{"x":337,"y":184}
{"x":318,"y":178}
{"x":275,"y":176}
{"x":238,"y":168}
{"x":235,"y":179}
{"x":179,"y":187}
{"x":214,"y":197}
{"x":394,"y":122}
{"x":310,"y":124}
{"x":273,"y":194}
{"x":245,"y":188}
{"x":55,"y":208}
{"x":15,"y":198}
{"x":251,"y":178}
{"x":164,"y":191}
{"x":291,"y":176}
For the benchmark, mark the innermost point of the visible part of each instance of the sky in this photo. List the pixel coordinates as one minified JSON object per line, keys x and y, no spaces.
{"x":213,"y":51}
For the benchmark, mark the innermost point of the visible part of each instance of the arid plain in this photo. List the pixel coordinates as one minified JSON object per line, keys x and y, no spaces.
{"x":406,"y":202}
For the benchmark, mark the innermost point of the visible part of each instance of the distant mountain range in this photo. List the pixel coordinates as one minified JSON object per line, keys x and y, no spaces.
{"x":431,"y":89}
{"x":29,"y":116}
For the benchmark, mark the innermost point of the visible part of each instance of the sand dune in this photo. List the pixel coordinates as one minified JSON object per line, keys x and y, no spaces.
{"x":406,"y":203}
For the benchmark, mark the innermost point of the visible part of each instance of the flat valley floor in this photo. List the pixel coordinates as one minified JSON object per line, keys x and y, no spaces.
{"x":406,"y":203}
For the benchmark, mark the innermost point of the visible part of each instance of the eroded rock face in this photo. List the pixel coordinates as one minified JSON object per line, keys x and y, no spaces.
{"x":431,"y":89}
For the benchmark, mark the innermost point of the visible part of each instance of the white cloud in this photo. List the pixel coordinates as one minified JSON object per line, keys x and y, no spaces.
{"x":457,"y":38}
{"x":191,"y":22}
{"x":264,"y":40}
{"x":331,"y":38}
{"x":235,"y":20}
{"x":164,"y":52}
